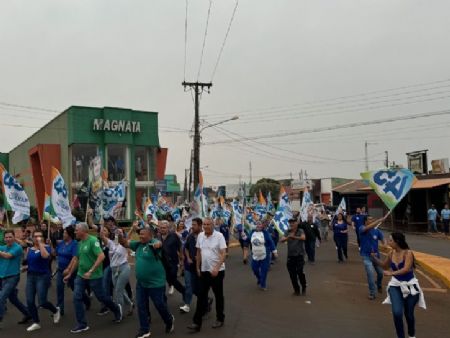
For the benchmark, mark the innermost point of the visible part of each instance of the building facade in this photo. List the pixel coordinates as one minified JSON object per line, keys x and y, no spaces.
{"x":126,"y":140}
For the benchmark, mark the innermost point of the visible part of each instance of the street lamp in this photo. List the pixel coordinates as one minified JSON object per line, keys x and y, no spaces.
{"x":196,"y":157}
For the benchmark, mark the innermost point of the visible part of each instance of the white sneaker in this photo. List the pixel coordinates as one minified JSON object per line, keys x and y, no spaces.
{"x":33,"y":327}
{"x":57,"y":315}
{"x":185,"y":308}
{"x":171,"y":290}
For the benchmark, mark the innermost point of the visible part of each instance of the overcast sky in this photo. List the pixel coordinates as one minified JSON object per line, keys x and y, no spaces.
{"x":287,"y":66}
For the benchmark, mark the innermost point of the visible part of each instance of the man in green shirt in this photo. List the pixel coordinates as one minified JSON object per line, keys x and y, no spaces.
{"x":150,"y":279}
{"x":89,"y":262}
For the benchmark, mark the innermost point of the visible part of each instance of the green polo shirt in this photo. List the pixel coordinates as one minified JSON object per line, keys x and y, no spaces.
{"x":88,"y":251}
{"x":150,"y":271}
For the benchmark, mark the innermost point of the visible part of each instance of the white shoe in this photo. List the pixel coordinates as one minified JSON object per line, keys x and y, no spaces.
{"x":171,"y":290}
{"x":57,"y":315}
{"x":185,"y":308}
{"x":34,"y":327}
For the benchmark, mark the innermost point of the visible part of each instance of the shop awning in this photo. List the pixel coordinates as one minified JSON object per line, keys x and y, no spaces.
{"x":431,"y":183}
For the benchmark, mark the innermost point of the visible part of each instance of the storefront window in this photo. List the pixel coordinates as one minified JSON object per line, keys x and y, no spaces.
{"x":82,"y":154}
{"x":117,"y":162}
{"x":141,"y":163}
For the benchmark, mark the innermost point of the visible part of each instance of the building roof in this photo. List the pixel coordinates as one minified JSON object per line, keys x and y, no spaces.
{"x":352,"y":187}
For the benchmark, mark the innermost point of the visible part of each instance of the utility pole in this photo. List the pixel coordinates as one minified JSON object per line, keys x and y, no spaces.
{"x":185,"y":191}
{"x":386,"y":161}
{"x":366,"y":155}
{"x":190,"y":177}
{"x":198,"y":89}
{"x":250,"y":169}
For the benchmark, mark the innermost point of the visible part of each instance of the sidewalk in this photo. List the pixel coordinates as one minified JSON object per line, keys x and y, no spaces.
{"x":434,"y":265}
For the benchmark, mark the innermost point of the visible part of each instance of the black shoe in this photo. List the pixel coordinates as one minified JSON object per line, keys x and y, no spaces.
{"x":194,"y":327}
{"x":244,"y":261}
{"x":143,"y":334}
{"x":217,"y":324}
{"x":371,"y":297}
{"x":171,"y":326}
{"x":24,"y":320}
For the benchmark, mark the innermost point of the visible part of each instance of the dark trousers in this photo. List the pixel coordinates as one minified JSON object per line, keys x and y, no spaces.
{"x":357,"y":238}
{"x":38,"y":285}
{"x":446,"y":226}
{"x":295,"y":266}
{"x":216,"y":284}
{"x":60,"y":286}
{"x":341,"y":246}
{"x":172,"y":278}
{"x":403,"y":306}
{"x":158,"y":297}
{"x":310,"y":248}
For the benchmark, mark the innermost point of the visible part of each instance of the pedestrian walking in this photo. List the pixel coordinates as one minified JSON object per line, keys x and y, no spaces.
{"x":312,"y":233}
{"x":432,"y":216}
{"x":191,"y":279}
{"x":445,"y":217}
{"x":295,"y":238}
{"x":404,"y":292}
{"x":150,"y":279}
{"x":65,"y":251}
{"x":244,"y":242}
{"x":38,"y":281}
{"x":211,"y":253}
{"x":370,"y":235}
{"x":358,"y":220}
{"x":10,"y":259}
{"x":340,"y":236}
{"x":90,"y":273}
{"x":262,"y":249}
{"x":324,"y":225}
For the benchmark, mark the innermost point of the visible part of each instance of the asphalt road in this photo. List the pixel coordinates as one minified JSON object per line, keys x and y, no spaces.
{"x":336,"y":306}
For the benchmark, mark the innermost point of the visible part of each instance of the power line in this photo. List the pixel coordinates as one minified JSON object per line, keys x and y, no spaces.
{"x":28,"y":107}
{"x":224,"y":40}
{"x":340,"y":126}
{"x":296,"y":105}
{"x":204,"y":40}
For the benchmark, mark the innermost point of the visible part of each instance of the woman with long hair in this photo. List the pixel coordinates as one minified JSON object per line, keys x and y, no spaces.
{"x":403,"y":290}
{"x":340,"y":230}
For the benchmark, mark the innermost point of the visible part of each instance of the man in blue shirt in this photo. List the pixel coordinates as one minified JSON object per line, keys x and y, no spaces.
{"x":10,"y":260}
{"x":369,"y":237}
{"x":358,"y":220}
{"x":432,"y":216}
{"x":445,"y":217}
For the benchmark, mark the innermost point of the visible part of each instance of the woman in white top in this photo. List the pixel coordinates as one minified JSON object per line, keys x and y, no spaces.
{"x":120,"y":268}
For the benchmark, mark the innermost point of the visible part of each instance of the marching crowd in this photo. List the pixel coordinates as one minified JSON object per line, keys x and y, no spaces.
{"x":93,"y":260}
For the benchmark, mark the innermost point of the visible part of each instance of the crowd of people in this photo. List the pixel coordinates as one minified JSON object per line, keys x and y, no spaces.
{"x":93,"y":260}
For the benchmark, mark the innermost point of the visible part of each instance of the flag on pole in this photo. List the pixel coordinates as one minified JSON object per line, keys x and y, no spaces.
{"x":49,"y":213}
{"x":60,"y":199}
{"x":284,"y":203}
{"x":113,"y":198}
{"x":200,"y":198}
{"x":150,"y":209}
{"x":306,"y":204}
{"x":281,"y":221}
{"x":342,"y":206}
{"x":270,"y":206}
{"x":15,"y":195}
{"x":391,"y":185}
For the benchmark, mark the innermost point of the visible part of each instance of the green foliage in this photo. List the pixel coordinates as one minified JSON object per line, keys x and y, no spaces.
{"x":266,"y":185}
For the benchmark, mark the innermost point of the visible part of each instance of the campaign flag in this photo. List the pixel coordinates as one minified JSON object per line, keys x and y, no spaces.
{"x":391,"y":185}
{"x":96,"y":186}
{"x":270,"y":206}
{"x":49,"y":213}
{"x":16,"y":196}
{"x":342,"y":206}
{"x":250,"y":222}
{"x":284,"y":203}
{"x":150,"y":209}
{"x":60,"y":199}
{"x":237,"y":212}
{"x":306,"y":204}
{"x":281,"y":221}
{"x":176,"y":214}
{"x":113,"y":198}
{"x":200,"y":198}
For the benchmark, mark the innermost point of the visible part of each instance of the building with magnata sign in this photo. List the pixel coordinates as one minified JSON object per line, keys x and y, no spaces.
{"x":126,"y":140}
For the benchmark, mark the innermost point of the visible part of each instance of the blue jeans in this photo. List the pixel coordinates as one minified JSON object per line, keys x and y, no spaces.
{"x":372,"y":268}
{"x":60,"y":286}
{"x":432,"y":225}
{"x":402,"y":305}
{"x":8,"y":290}
{"x":188,"y":286}
{"x":310,"y":248}
{"x":158,"y":298}
{"x":107,"y":280}
{"x":96,"y":286}
{"x":38,"y":284}
{"x":260,"y":269}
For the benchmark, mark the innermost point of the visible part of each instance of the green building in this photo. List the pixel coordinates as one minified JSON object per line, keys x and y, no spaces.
{"x":126,"y":140}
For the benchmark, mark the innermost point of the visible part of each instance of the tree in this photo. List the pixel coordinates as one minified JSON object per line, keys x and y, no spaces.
{"x":266,"y":185}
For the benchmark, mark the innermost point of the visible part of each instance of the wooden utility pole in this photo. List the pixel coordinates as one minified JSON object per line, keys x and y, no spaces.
{"x":198,"y":88}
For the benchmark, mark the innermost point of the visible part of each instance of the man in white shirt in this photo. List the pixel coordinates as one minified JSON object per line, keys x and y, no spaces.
{"x":211,"y":253}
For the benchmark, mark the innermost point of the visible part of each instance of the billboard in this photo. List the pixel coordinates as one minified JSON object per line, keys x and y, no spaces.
{"x":418,"y":162}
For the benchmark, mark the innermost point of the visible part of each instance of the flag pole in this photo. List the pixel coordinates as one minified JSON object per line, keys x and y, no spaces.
{"x":8,"y":225}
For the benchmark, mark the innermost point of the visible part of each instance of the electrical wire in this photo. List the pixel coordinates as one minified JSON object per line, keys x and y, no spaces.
{"x":204,"y":40}
{"x":224,"y":40}
{"x":341,"y":126}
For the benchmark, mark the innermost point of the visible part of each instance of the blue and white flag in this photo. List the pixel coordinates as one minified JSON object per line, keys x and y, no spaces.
{"x":284,"y":203}
{"x":270,"y":206}
{"x":15,"y":196}
{"x":176,"y":214}
{"x":150,"y":209}
{"x":281,"y":221}
{"x":306,"y":205}
{"x":342,"y":206}
{"x":60,"y":199}
{"x":200,"y":198}
{"x":113,"y":198}
{"x":237,"y":212}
